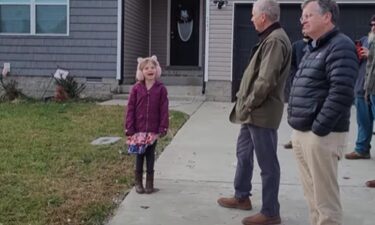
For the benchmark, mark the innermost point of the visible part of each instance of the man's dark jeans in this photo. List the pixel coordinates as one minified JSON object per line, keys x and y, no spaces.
{"x":264,"y":142}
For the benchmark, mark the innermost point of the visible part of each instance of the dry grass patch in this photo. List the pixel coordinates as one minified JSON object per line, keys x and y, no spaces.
{"x":51,"y":174}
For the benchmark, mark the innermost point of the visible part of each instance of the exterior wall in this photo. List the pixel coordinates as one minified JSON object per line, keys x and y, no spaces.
{"x":159,"y":18}
{"x":136,"y":35}
{"x":218,"y":86}
{"x":88,"y":51}
{"x":220,"y":42}
{"x":218,"y":90}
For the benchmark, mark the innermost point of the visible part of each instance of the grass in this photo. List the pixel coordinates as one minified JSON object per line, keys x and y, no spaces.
{"x":50,"y":174}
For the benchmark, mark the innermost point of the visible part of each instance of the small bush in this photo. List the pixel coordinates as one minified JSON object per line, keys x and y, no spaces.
{"x":10,"y":90}
{"x":70,"y":86}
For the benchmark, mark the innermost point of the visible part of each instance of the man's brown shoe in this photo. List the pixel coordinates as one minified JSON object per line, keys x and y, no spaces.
{"x":260,"y":219}
{"x":370,"y":183}
{"x":356,"y":155}
{"x":236,"y":203}
{"x":288,"y":145}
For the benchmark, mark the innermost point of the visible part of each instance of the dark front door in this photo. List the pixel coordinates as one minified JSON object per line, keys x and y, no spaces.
{"x":184,"y":35}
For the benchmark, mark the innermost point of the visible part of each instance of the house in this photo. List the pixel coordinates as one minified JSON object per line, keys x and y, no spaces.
{"x":39,"y":36}
{"x":203,"y":44}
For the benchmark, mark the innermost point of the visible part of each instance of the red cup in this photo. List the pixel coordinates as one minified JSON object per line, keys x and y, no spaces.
{"x":358,"y":47}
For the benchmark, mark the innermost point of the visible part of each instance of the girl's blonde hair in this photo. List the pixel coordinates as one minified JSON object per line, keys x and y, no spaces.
{"x":142,"y":62}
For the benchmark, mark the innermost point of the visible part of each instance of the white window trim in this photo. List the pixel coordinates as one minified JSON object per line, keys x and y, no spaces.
{"x":33,"y":5}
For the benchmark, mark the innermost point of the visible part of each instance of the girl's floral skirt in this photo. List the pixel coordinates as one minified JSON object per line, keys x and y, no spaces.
{"x":138,"y":143}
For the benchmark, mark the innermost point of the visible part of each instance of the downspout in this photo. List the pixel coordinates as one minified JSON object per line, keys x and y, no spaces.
{"x":150,"y":28}
{"x":119,"y":41}
{"x":206,"y":46}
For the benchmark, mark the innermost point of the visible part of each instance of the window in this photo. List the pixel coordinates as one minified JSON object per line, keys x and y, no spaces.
{"x":36,"y":17}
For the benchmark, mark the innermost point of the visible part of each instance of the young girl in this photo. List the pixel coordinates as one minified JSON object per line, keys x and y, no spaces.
{"x":147,"y":111}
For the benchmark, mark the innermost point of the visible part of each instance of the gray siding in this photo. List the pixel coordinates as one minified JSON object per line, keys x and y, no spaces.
{"x":219,"y":65}
{"x":220,"y":43}
{"x":136,"y":35}
{"x":88,"y":51}
{"x":159,"y":30}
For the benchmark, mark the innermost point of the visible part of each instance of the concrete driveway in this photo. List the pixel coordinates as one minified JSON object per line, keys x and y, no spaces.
{"x":198,"y":167}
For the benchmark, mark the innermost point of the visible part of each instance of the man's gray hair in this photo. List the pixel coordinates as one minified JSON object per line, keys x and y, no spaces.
{"x":269,"y":7}
{"x":326,"y":6}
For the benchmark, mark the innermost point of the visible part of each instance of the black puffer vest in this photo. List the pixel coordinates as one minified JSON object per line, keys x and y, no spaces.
{"x":322,"y":92}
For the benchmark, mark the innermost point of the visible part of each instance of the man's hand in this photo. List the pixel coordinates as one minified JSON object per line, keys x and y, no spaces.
{"x":366,"y":97}
{"x":363,"y":53}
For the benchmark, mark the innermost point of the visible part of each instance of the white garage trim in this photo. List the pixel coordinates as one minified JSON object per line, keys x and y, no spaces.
{"x":119,"y":38}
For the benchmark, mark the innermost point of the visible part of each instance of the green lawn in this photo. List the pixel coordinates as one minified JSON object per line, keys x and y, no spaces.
{"x":50,"y":173}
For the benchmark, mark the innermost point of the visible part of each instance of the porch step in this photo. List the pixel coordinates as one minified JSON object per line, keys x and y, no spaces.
{"x":175,"y":93}
{"x":182,"y":76}
{"x":182,"y":80}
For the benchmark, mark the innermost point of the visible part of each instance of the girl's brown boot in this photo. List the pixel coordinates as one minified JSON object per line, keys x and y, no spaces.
{"x":150,"y":182}
{"x":138,"y":176}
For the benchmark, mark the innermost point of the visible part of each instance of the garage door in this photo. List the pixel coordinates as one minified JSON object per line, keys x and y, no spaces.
{"x":353,"y":22}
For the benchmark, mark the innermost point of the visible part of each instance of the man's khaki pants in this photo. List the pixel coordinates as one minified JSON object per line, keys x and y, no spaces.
{"x":317,"y":159}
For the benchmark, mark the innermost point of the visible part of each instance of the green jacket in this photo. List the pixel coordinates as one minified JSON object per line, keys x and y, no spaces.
{"x":260,"y":97}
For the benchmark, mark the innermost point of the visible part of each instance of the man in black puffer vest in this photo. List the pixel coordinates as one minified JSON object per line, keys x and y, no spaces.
{"x":319,"y":108}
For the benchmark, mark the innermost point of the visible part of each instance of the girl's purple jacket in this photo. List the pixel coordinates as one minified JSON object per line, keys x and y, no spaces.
{"x":147,"y":110}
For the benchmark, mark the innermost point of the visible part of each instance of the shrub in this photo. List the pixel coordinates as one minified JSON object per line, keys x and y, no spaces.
{"x":10,"y":90}
{"x":70,"y":86}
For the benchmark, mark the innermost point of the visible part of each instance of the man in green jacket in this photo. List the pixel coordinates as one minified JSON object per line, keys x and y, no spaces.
{"x":259,"y":108}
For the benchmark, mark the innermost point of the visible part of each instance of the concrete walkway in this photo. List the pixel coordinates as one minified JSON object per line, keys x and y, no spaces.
{"x":199,"y":165}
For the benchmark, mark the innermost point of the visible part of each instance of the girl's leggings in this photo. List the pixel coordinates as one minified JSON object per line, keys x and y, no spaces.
{"x":150,"y":159}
